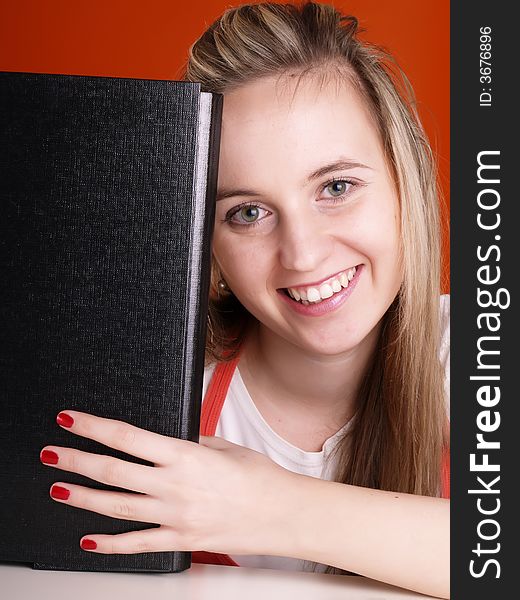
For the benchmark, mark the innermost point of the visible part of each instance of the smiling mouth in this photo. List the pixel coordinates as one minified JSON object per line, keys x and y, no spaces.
{"x":327,"y":289}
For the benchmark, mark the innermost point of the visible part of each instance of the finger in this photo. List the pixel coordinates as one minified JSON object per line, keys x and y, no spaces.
{"x":131,"y":507}
{"x":150,"y":446}
{"x":158,"y":539}
{"x":105,"y":469}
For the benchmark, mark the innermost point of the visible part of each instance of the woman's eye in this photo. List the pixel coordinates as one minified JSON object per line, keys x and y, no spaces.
{"x":338,"y":188}
{"x":247,"y":214}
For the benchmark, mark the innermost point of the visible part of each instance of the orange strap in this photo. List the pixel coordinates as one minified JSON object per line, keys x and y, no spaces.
{"x":215,"y":396}
{"x":211,"y":409}
{"x":212,"y":558}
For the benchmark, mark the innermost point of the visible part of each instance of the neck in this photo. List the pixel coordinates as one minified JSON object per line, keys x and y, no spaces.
{"x":285,"y":378}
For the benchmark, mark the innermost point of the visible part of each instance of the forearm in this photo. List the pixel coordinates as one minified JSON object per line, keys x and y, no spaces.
{"x":401,"y":539}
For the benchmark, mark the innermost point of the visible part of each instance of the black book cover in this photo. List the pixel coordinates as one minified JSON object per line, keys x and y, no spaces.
{"x":107,"y":191}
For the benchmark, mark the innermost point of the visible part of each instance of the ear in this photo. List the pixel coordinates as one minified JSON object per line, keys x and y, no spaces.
{"x":218,"y":288}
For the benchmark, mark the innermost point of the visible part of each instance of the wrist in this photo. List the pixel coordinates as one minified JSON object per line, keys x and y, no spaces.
{"x":296,"y":518}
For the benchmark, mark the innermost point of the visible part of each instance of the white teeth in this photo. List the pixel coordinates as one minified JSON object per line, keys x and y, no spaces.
{"x":326,"y":291}
{"x":343,"y":279}
{"x":313,"y":295}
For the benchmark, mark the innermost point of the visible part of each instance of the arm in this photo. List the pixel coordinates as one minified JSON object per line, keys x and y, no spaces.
{"x":401,"y":539}
{"x":221,"y":497}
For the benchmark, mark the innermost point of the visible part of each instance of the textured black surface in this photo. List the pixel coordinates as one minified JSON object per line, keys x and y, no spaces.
{"x":98,"y":223}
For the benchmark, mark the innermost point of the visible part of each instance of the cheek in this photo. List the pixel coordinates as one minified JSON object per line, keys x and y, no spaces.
{"x":390,"y":253}
{"x":375,"y":233}
{"x":384,"y":224}
{"x":244,"y":266}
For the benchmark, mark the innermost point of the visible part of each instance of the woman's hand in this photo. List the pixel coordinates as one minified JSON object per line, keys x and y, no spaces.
{"x":214,"y":496}
{"x":220,"y":497}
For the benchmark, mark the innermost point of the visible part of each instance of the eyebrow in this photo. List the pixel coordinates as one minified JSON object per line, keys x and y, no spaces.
{"x":338,"y":165}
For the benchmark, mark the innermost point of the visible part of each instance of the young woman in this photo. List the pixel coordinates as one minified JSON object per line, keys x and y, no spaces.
{"x":324,"y":426}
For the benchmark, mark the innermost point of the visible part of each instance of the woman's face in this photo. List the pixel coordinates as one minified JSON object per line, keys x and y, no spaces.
{"x":306,"y":202}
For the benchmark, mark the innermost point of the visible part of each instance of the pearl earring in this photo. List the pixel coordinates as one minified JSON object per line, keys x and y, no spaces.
{"x":223,"y":286}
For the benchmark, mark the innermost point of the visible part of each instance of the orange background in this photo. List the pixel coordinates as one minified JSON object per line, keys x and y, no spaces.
{"x":150,"y":38}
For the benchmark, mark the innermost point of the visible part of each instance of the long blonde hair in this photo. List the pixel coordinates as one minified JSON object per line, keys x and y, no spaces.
{"x":399,"y":433}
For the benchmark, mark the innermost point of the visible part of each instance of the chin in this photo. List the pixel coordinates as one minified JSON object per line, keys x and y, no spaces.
{"x":333,"y":347}
{"x":330,"y":343}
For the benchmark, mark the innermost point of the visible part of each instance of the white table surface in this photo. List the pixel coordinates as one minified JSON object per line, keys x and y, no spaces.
{"x":200,"y":582}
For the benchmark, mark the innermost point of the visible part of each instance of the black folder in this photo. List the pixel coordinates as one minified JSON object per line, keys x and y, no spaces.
{"x":107,"y":194}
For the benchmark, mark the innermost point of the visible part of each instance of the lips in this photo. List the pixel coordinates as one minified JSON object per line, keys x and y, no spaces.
{"x":323,"y":306}
{"x":316,"y":293}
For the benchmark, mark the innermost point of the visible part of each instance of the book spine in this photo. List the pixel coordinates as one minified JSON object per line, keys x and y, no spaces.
{"x":204,"y":196}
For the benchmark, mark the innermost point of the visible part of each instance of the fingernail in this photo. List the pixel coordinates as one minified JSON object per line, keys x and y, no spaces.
{"x":60,"y":493}
{"x":64,"y":420}
{"x":49,"y":457}
{"x":87,"y":544}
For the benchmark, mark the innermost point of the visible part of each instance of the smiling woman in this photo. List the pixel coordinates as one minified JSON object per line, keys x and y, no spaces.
{"x":324,"y":429}
{"x":326,"y":254}
{"x":287,"y":155}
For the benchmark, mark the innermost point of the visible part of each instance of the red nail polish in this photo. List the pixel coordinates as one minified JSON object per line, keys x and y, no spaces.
{"x":64,"y":420}
{"x":60,"y":493}
{"x":87,"y":544}
{"x":49,"y":457}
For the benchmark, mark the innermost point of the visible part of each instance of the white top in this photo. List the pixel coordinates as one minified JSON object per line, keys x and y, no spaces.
{"x":240,"y":422}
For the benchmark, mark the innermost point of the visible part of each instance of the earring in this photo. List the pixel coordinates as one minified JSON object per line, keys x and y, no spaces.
{"x":223,"y":287}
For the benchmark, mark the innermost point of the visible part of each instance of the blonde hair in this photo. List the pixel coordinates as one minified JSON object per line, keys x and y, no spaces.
{"x":399,"y":432}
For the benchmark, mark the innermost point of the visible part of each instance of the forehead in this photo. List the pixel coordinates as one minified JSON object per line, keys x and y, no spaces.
{"x":293,"y":121}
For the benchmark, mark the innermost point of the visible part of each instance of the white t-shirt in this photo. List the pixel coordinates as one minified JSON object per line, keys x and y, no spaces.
{"x":240,"y":422}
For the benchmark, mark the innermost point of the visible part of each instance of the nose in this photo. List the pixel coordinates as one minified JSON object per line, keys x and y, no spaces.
{"x":304,"y":243}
